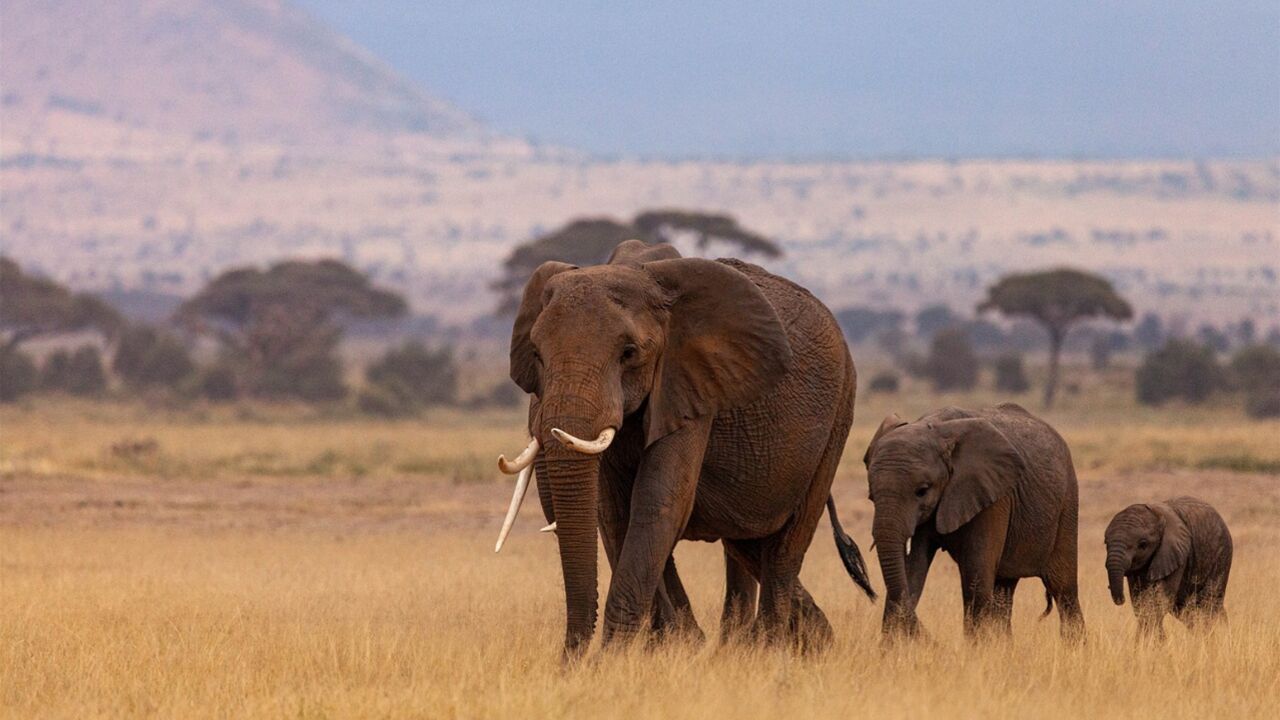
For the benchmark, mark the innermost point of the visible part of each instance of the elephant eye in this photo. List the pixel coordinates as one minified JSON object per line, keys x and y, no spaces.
{"x":1142,"y":544}
{"x":629,"y":352}
{"x":537,"y":357}
{"x":920,"y":491}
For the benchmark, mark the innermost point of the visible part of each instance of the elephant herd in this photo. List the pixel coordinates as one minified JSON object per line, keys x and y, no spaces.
{"x":678,"y":398}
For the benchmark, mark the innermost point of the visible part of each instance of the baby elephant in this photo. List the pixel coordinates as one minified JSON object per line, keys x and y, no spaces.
{"x":993,"y":487}
{"x":1176,"y":555}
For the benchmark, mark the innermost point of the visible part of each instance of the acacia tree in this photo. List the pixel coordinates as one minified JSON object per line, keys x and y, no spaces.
{"x":277,"y":327}
{"x":588,"y":241}
{"x":1056,"y":299}
{"x":31,"y":306}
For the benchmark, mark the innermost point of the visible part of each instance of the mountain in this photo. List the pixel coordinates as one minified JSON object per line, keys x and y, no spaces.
{"x":146,"y":146}
{"x":232,"y":70}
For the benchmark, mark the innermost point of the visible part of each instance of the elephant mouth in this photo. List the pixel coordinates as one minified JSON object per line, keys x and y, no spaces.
{"x":522,"y":468}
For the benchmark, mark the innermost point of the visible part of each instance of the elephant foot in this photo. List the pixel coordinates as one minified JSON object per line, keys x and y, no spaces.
{"x":683,"y":627}
{"x":809,"y":629}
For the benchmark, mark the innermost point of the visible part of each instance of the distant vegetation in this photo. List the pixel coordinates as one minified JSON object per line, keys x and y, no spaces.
{"x":589,"y":241}
{"x":1057,"y":299}
{"x":274,"y":334}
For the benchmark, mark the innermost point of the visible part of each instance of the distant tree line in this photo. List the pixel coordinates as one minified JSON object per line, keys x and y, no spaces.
{"x":276,"y":333}
{"x":1057,"y":305}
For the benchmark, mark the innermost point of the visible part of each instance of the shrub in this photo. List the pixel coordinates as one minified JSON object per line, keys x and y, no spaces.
{"x":885,"y":381}
{"x":388,"y":399}
{"x":1256,"y":371}
{"x":147,"y":356}
{"x":951,"y":364}
{"x":1010,"y":375}
{"x":1263,"y":404}
{"x":18,"y":374}
{"x":78,"y":373}
{"x":1181,"y":369}
{"x":217,"y":383}
{"x":422,"y":376}
{"x":504,"y":394}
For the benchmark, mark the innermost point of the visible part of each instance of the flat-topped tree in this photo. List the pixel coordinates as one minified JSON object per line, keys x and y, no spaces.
{"x":1056,"y":299}
{"x":588,"y":241}
{"x":31,"y":306}
{"x":277,"y":325}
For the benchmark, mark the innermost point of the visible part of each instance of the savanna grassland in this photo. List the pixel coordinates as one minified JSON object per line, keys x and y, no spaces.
{"x":266,"y":562}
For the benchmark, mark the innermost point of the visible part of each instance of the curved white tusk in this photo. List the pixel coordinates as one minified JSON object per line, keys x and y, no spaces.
{"x":549,"y":528}
{"x":522,"y":485}
{"x":586,"y":447}
{"x":522,"y":461}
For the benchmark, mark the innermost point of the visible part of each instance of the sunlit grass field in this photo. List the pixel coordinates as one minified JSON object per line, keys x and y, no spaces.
{"x":282,"y":562}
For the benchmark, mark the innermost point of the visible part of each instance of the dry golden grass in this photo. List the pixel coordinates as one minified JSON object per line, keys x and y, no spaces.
{"x":185,"y":585}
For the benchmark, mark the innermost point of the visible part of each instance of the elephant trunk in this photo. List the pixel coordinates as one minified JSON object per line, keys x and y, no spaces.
{"x":891,"y":546}
{"x":574,"y":480}
{"x":1116,"y":565}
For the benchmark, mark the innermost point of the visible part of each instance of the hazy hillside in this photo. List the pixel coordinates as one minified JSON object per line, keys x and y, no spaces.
{"x":232,"y":70}
{"x":148,"y":145}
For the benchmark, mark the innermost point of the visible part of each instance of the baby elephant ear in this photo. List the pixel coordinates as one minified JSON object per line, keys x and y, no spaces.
{"x":985,"y":467}
{"x":1175,"y":543}
{"x":890,"y":423}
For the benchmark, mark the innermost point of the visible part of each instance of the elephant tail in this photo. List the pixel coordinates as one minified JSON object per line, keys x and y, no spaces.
{"x":1048,"y":604}
{"x":850,"y":555}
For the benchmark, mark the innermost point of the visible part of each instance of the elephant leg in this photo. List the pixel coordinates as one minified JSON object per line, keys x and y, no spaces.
{"x":923,"y":550}
{"x":1061,"y":581}
{"x":740,"y":591}
{"x":661,"y":503}
{"x":784,"y":553}
{"x":678,"y":616}
{"x":978,"y":552}
{"x":809,"y":625}
{"x":1002,"y":612}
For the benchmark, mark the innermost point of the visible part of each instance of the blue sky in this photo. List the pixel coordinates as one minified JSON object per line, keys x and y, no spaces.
{"x":846,"y":79}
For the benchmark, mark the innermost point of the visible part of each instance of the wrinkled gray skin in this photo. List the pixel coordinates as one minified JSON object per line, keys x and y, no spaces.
{"x":732,"y":391}
{"x":994,"y":488}
{"x":1177,"y":556}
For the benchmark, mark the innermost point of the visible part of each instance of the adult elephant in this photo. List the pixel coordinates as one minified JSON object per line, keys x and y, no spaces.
{"x":681,"y":398}
{"x":996,"y":489}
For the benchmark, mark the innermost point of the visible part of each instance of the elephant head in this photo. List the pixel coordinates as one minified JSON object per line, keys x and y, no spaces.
{"x":650,"y":338}
{"x":940,"y":472}
{"x":1151,"y":536}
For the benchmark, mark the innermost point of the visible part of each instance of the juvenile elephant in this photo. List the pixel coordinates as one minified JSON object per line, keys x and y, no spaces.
{"x":1176,"y":555}
{"x":993,"y":487}
{"x":681,"y":398}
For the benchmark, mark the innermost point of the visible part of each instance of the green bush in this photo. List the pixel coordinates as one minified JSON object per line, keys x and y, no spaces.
{"x":78,"y":373}
{"x":422,"y":376}
{"x":148,"y":357}
{"x":1180,"y":370}
{"x":885,"y":381}
{"x":216,"y":383}
{"x":18,"y":374}
{"x":388,"y":399}
{"x":951,"y":364}
{"x":1010,"y":375}
{"x":1255,"y":370}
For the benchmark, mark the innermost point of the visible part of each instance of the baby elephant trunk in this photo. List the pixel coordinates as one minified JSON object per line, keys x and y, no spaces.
{"x":1116,"y":565}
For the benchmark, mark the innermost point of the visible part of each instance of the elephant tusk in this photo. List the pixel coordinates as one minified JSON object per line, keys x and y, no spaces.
{"x":549,"y":528}
{"x":586,"y":447}
{"x":517,"y":498}
{"x":511,"y":467}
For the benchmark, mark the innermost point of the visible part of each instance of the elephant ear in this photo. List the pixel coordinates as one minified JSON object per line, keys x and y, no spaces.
{"x":985,"y":467}
{"x":1175,"y":543}
{"x":639,"y":252}
{"x":524,"y":364}
{"x":725,"y":345}
{"x":890,"y":423}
